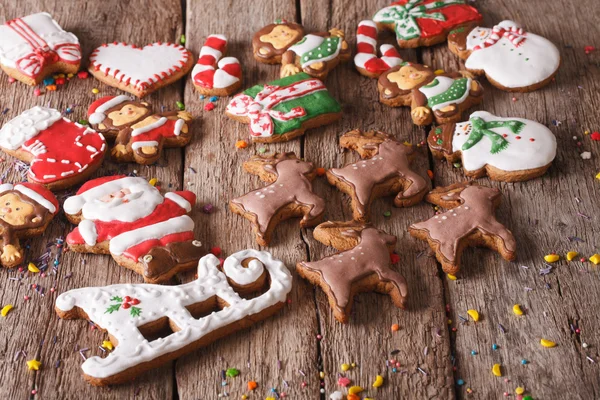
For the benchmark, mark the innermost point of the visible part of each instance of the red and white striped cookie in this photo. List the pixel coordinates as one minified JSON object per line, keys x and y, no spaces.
{"x":366,"y":60}
{"x":213,"y":75}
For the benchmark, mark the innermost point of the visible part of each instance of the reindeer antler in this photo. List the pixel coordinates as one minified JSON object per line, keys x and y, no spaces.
{"x":366,"y":144}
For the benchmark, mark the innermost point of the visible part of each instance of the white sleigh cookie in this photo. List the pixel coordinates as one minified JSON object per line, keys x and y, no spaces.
{"x":511,"y":58}
{"x":130,"y":313}
{"x":505,"y":149}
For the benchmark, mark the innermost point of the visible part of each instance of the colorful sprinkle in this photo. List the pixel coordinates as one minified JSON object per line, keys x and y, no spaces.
{"x":32,"y":268}
{"x":232,"y":372}
{"x":551,"y":258}
{"x":395,"y":328}
{"x":355,"y":390}
{"x":320,"y":171}
{"x":473,"y":314}
{"x":95,"y":91}
{"x":252,"y":385}
{"x":517,"y":309}
{"x":6,"y":309}
{"x":107,"y":344}
{"x":34,"y":365}
{"x":497,"y":370}
{"x":595,"y":259}
{"x":241,"y":144}
{"x":209,"y":107}
{"x":547,"y":343}
{"x":571,"y":255}
{"x":378,"y":381}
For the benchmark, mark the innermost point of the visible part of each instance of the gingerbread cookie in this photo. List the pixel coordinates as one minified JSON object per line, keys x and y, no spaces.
{"x":284,"y":109}
{"x":35,"y":46}
{"x":470,"y":221}
{"x":140,"y":70}
{"x":272,"y":41}
{"x":196,"y":313}
{"x":366,"y":60}
{"x":505,"y":149}
{"x":26,"y":210}
{"x":143,"y":230}
{"x":419,"y":23}
{"x":214,"y":75}
{"x":385,"y":170}
{"x":363,"y":265}
{"x":511,"y":58}
{"x":61,"y":153}
{"x":441,"y":98}
{"x":288,"y":195}
{"x":138,"y":134}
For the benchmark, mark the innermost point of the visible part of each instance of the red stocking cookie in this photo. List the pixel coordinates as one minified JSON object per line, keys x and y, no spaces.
{"x":470,"y":221}
{"x":289,"y":194}
{"x":139,"y":135}
{"x":129,"y":219}
{"x":364,"y":265}
{"x":214,"y":75}
{"x":366,"y":60}
{"x":61,"y":153}
{"x":385,"y":170}
{"x":26,"y":209}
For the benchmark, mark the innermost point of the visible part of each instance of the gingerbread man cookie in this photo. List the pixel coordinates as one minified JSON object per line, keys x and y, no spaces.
{"x":385,"y":170}
{"x":511,"y":58}
{"x":272,"y":41}
{"x":419,"y":23}
{"x":61,"y":153}
{"x":288,"y":195}
{"x":138,"y":134}
{"x":366,"y":60}
{"x":505,"y":149}
{"x":26,"y":210}
{"x":197,"y":313}
{"x":441,"y":98}
{"x":35,"y":46}
{"x":143,"y":230}
{"x":469,"y":221}
{"x":213,"y":74}
{"x":363,"y":265}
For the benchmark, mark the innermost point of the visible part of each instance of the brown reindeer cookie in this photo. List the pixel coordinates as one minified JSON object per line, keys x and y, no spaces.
{"x":26,"y":209}
{"x":272,"y":41}
{"x":469,"y":221}
{"x":363,"y":265}
{"x":288,"y":195}
{"x":441,"y":98}
{"x":385,"y":170}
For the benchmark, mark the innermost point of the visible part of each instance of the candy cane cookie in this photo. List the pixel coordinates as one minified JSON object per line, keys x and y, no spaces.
{"x":366,"y":60}
{"x":215,"y":75}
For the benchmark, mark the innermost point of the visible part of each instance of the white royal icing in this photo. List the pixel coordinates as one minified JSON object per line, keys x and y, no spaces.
{"x":156,"y":302}
{"x":99,"y":115}
{"x":234,"y":269}
{"x":520,"y":154}
{"x":181,"y":202}
{"x":38,"y":198}
{"x":26,"y":125}
{"x":532,"y":61}
{"x":87,"y":229}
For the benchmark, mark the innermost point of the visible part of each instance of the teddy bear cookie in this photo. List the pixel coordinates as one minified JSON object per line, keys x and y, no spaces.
{"x":140,"y":70}
{"x":419,"y":23}
{"x":143,"y":230}
{"x":511,"y":58}
{"x":505,"y":149}
{"x":385,"y":170}
{"x":441,"y":98}
{"x":469,"y":221}
{"x":284,"y":109}
{"x":196,"y":313}
{"x":272,"y":41}
{"x":213,"y":74}
{"x":26,"y":210}
{"x":288,"y":195}
{"x":363,"y":265}
{"x":35,"y":46}
{"x":61,"y":153}
{"x":139,"y":135}
{"x":366,"y":60}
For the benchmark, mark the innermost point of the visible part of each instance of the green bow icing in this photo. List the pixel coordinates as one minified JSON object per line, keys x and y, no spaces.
{"x":404,"y":16}
{"x":481,"y":128}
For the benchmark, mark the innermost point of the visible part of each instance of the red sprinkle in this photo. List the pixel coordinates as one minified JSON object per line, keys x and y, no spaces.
{"x":83,"y":74}
{"x":11,"y":79}
{"x":595,"y":136}
{"x":37,"y":91}
{"x":209,"y":106}
{"x":589,"y":49}
{"x":394,"y":258}
{"x":216,"y":251}
{"x":60,"y":81}
{"x":343,"y":381}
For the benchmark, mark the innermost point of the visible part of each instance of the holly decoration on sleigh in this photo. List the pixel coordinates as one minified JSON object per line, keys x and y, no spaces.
{"x":127,"y":303}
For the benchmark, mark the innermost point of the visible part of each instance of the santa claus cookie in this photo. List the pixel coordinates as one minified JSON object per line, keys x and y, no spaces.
{"x":441,"y":98}
{"x":35,"y":46}
{"x":195,"y":314}
{"x":363,"y":265}
{"x":140,"y":70}
{"x":424,"y":22}
{"x":284,"y":109}
{"x":288,"y":195}
{"x":511,"y":58}
{"x":26,"y":209}
{"x":469,"y":221}
{"x":213,"y":74}
{"x":143,"y":230}
{"x":61,"y":153}
{"x":505,"y":149}
{"x":385,"y":170}
{"x":139,"y":135}
{"x":272,"y":41}
{"x":366,"y":60}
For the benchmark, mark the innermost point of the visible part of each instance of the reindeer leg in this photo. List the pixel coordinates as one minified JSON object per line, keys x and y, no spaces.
{"x":415,"y":191}
{"x":503,"y":239}
{"x":317,"y":208}
{"x":395,"y":287}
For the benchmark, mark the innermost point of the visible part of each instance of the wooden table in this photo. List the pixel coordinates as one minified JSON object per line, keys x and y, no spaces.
{"x":283,"y":352}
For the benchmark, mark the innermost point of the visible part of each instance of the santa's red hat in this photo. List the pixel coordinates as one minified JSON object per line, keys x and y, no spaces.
{"x":35,"y":192}
{"x":98,"y":109}
{"x":184,"y":198}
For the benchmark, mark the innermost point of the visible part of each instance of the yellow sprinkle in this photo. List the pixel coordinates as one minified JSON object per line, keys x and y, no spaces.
{"x":571,"y":255}
{"x":520,"y":390}
{"x":587,"y":132}
{"x":451,"y":277}
{"x":32,"y":268}
{"x":439,"y":71}
{"x":449,"y":322}
{"x":270,"y":398}
{"x":378,"y":381}
{"x":6,"y":309}
{"x":244,"y":397}
{"x":547,"y":343}
{"x":473,"y":314}
{"x":95,"y":91}
{"x":34,"y":365}
{"x":598,"y":175}
{"x":355,"y":390}
{"x":322,"y":374}
{"x":552,"y":258}
{"x":517,"y":309}
{"x":345,"y":367}
{"x":407,"y":143}
{"x":153,"y":181}
{"x":595,"y":259}
{"x":496,"y":370}
{"x":70,"y":75}
{"x":353,"y":365}
{"x":107,"y":344}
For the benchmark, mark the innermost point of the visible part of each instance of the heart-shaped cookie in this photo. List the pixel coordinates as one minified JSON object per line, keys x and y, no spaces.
{"x":140,"y":70}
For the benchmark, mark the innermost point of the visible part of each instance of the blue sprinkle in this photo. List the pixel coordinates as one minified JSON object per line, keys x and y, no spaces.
{"x":394,"y":370}
{"x":213,"y":99}
{"x":201,"y":97}
{"x":473,"y":353}
{"x":460,"y":382}
{"x":49,"y":81}
{"x":524,"y":361}
{"x":495,"y":346}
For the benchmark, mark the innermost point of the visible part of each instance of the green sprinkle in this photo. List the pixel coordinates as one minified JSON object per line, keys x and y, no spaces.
{"x":457,"y":165}
{"x":387,"y":213}
{"x":182,"y":40}
{"x":82,"y":122}
{"x":262,"y":150}
{"x":180,"y":105}
{"x":440,"y":141}
{"x":232,"y":372}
